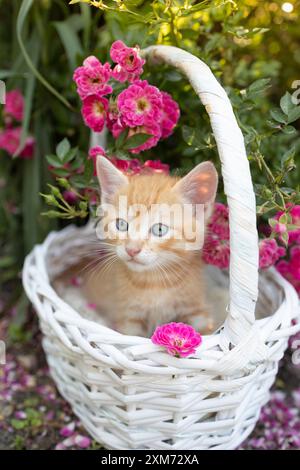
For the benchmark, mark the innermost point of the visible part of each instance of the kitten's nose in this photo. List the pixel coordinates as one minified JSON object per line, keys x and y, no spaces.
{"x":133,"y":251}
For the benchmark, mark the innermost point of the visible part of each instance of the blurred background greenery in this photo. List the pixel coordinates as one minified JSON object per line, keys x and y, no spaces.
{"x":252,"y":46}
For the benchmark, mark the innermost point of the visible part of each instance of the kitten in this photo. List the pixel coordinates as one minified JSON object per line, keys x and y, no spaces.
{"x":148,"y":276}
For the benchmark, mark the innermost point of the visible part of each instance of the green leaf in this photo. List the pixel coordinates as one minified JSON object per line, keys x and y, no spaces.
{"x":136,"y":140}
{"x":288,"y":130}
{"x":259,"y":86}
{"x":191,"y":137}
{"x":294,"y":114}
{"x":121,"y":139}
{"x":63,"y":148}
{"x":70,"y":155}
{"x":283,"y":219}
{"x":29,"y":92}
{"x":31,"y":170}
{"x":21,"y":19}
{"x":287,"y":161}
{"x":273,"y":222}
{"x":286,"y":103}
{"x":272,"y":124}
{"x":87,"y":24}
{"x":120,"y":153}
{"x":18,"y":424}
{"x":78,"y":181}
{"x":285,"y":238}
{"x":278,"y":116}
{"x":70,"y":40}
{"x":53,"y":160}
{"x":61,"y":172}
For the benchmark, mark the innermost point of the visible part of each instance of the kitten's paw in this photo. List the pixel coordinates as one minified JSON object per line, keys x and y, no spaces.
{"x":201,"y":322}
{"x":131,"y":327}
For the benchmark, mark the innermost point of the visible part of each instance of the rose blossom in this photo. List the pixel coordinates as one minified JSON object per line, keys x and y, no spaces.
{"x":14,"y":106}
{"x":269,"y":252}
{"x":156,"y":166}
{"x":179,"y":339}
{"x":127,"y":166}
{"x":290,"y":269}
{"x":93,"y":154}
{"x":170,"y":115}
{"x":216,"y":248}
{"x":94,"y":110}
{"x":216,"y":251}
{"x":219,"y":221}
{"x":129,"y":63}
{"x":92,"y":78}
{"x":140,"y":104}
{"x":10,"y":140}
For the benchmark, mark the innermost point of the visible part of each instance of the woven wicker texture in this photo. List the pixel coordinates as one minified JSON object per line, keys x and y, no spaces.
{"x":128,"y":393}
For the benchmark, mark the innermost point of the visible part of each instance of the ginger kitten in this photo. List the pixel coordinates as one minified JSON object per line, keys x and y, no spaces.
{"x":149,"y":275}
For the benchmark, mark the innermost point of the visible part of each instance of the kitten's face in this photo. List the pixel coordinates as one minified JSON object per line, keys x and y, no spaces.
{"x":143,"y":223}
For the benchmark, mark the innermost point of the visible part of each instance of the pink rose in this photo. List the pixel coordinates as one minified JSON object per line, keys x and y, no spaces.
{"x":93,"y":154}
{"x":269,"y":252}
{"x":156,"y":166}
{"x":14,"y":106}
{"x":10,"y":140}
{"x":290,"y":269}
{"x":94,"y":111}
{"x":129,"y":63}
{"x":216,"y":251}
{"x":219,"y":221}
{"x":179,"y":339}
{"x":140,"y":104}
{"x":170,"y":115}
{"x":127,"y":166}
{"x":92,"y":78}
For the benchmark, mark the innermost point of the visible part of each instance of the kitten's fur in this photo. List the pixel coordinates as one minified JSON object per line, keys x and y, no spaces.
{"x":163,"y":282}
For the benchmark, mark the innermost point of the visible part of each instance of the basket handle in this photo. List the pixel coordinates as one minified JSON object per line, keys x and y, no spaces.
{"x":237,"y":183}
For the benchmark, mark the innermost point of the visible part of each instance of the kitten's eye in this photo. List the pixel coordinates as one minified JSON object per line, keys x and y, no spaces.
{"x":121,"y":225}
{"x":159,"y":230}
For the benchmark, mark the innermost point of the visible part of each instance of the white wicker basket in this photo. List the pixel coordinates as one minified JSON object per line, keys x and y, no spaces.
{"x":126,"y":391}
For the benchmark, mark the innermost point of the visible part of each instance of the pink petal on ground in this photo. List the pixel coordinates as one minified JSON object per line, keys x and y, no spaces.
{"x":68,"y":430}
{"x":82,"y":441}
{"x":60,"y":446}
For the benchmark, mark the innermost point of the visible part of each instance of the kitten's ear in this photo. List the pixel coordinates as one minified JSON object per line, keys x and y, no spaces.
{"x":111,"y":180}
{"x":199,"y":186}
